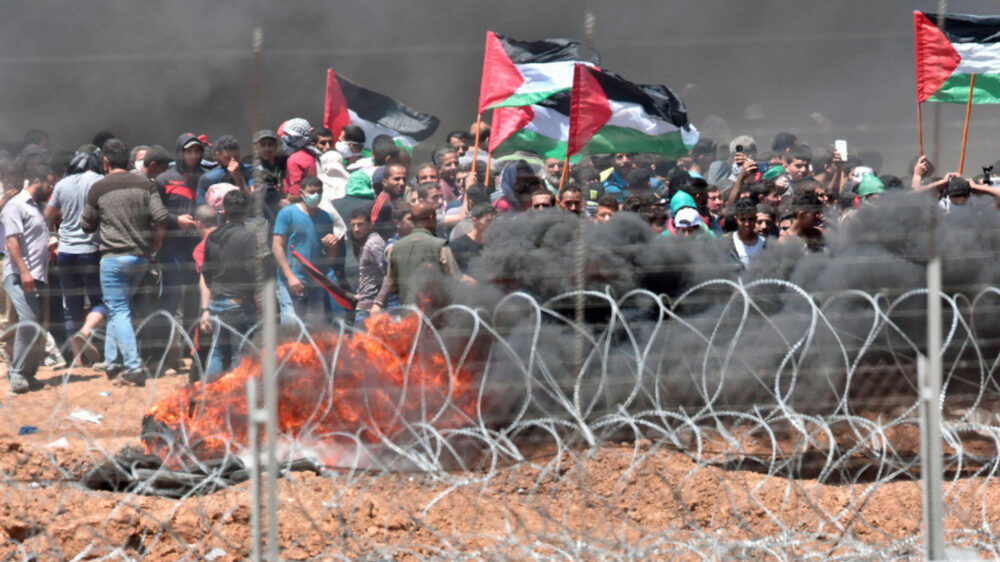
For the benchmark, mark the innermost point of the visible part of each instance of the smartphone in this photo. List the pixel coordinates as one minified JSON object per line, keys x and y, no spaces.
{"x":841,"y":147}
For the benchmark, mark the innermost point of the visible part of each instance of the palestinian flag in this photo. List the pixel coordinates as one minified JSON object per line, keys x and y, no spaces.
{"x":518,"y":73}
{"x":947,"y":58}
{"x":609,"y":114}
{"x":377,"y":114}
{"x":541,"y":128}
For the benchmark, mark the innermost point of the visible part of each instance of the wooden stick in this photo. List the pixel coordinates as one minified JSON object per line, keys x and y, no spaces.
{"x":475,"y":151}
{"x":920,"y":130}
{"x":965,"y":131}
{"x":489,"y":165}
{"x":564,"y":175}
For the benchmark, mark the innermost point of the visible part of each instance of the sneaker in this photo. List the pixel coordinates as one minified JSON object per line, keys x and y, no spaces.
{"x":137,"y":378}
{"x":55,"y":362}
{"x":18,"y":384}
{"x":112,"y":371}
{"x":83,"y":349}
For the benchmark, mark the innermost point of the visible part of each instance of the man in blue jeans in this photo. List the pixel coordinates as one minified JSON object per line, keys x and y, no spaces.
{"x":130,"y":215}
{"x":26,"y":272}
{"x":308,"y":230}
{"x":228,"y":284}
{"x":78,"y":257}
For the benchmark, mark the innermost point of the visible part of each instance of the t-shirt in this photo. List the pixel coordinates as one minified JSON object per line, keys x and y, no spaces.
{"x":304,"y":233}
{"x":371,"y":270}
{"x":744,"y":253}
{"x":70,"y":197}
{"x":464,"y":249}
{"x":23,"y":216}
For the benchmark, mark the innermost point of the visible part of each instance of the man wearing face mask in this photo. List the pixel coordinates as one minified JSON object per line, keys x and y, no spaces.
{"x":306,"y":229}
{"x":25,"y":272}
{"x":350,"y":146}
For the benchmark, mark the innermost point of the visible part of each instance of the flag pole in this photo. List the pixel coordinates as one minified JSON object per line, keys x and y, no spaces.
{"x":475,"y":151}
{"x":564,"y":175}
{"x":489,"y":165}
{"x":965,"y":131}
{"x":920,"y":130}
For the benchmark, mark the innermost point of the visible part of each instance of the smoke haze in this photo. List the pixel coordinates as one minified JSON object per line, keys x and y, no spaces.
{"x":148,"y":71}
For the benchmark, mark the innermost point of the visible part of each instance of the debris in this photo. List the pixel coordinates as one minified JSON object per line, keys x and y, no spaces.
{"x":214,"y":553}
{"x":27,"y":430}
{"x":61,"y":443}
{"x":80,"y":414}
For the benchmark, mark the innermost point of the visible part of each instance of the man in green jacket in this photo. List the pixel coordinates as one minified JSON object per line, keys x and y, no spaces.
{"x":417,"y":251}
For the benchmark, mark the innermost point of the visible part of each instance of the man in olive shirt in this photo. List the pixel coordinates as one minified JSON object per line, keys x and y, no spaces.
{"x":127,"y":210}
{"x":418,"y":250}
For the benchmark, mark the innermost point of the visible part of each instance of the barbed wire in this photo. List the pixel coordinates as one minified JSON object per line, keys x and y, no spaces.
{"x":743,"y":430}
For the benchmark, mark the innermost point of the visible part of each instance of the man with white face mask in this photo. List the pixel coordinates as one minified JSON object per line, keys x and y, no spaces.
{"x":306,"y":229}
{"x":350,"y":145}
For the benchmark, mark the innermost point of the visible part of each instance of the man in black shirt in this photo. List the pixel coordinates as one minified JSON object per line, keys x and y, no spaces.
{"x":227,"y":284}
{"x":469,"y":246}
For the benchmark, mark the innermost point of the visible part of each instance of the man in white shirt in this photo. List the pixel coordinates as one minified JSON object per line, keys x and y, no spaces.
{"x":746,"y":242}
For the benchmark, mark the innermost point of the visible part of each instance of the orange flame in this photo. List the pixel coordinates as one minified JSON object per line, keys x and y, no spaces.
{"x":380,"y":383}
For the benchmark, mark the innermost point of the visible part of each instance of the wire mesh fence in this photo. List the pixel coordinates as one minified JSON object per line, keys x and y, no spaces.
{"x":712,"y":425}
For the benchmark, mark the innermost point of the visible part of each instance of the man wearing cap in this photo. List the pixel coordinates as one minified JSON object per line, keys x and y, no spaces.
{"x":870,"y":188}
{"x":265,"y":145}
{"x":808,"y":218}
{"x":728,"y":169}
{"x":178,"y":190}
{"x":687,"y":223}
{"x":746,"y":242}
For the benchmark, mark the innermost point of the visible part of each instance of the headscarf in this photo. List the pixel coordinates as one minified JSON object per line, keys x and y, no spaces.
{"x":296,"y":133}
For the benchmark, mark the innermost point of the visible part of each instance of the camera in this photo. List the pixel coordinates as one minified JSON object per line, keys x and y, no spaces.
{"x":739,"y":148}
{"x":987,"y":171}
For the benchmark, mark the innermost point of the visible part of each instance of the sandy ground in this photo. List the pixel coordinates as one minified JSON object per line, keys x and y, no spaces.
{"x":636,"y":499}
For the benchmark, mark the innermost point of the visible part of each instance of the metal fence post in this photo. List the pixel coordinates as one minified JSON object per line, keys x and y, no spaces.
{"x":931,"y":454}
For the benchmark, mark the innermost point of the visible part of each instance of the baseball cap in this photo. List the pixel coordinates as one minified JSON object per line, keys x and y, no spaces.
{"x":687,"y":217}
{"x":264,"y":134}
{"x":870,"y":185}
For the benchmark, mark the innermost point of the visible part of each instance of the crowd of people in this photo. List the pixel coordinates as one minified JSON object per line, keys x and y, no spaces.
{"x":149,"y":247}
